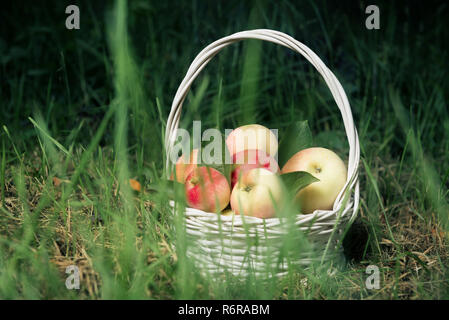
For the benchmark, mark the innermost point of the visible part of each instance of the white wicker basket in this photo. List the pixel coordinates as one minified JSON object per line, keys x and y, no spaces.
{"x":220,"y":243}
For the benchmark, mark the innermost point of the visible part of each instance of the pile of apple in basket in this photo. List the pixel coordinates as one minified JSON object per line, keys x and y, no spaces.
{"x":255,"y":185}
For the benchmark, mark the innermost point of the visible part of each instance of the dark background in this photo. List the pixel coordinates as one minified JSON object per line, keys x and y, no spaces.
{"x":41,"y":60}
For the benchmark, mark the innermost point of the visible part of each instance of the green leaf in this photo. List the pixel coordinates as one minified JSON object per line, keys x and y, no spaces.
{"x":295,"y":181}
{"x":296,"y":138}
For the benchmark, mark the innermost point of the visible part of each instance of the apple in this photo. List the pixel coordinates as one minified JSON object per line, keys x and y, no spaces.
{"x":257,"y":193}
{"x":252,"y":136}
{"x":207,"y":189}
{"x":185,"y":166}
{"x":250,"y":159}
{"x":325,"y":165}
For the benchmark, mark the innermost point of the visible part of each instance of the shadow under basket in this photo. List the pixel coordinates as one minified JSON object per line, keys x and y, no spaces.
{"x":242,"y":244}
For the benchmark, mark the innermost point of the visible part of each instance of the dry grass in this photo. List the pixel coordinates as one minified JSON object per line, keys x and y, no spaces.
{"x":412,"y":263}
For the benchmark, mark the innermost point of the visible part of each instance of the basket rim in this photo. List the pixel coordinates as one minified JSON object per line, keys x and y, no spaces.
{"x":318,"y":216}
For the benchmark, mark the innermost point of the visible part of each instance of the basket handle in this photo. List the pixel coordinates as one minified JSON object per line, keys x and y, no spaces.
{"x":285,"y":40}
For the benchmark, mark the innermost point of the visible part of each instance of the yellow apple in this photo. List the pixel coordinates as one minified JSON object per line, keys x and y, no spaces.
{"x":257,"y":193}
{"x":252,"y":136}
{"x":325,"y":165}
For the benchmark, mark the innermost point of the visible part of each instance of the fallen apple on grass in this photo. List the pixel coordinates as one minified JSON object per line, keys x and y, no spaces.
{"x":252,"y":136}
{"x":250,"y":159}
{"x":207,"y":189}
{"x":325,"y":165}
{"x":257,"y":193}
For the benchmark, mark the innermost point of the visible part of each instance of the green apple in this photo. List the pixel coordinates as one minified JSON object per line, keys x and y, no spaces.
{"x":325,"y":165}
{"x":257,"y":193}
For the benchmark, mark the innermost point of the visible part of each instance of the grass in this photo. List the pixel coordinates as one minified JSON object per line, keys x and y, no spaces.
{"x":82,"y":116}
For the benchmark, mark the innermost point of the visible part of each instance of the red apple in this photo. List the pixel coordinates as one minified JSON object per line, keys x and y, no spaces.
{"x":250,"y":159}
{"x":207,"y":189}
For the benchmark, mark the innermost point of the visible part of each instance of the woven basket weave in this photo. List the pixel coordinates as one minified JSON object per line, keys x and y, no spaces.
{"x":220,"y":243}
